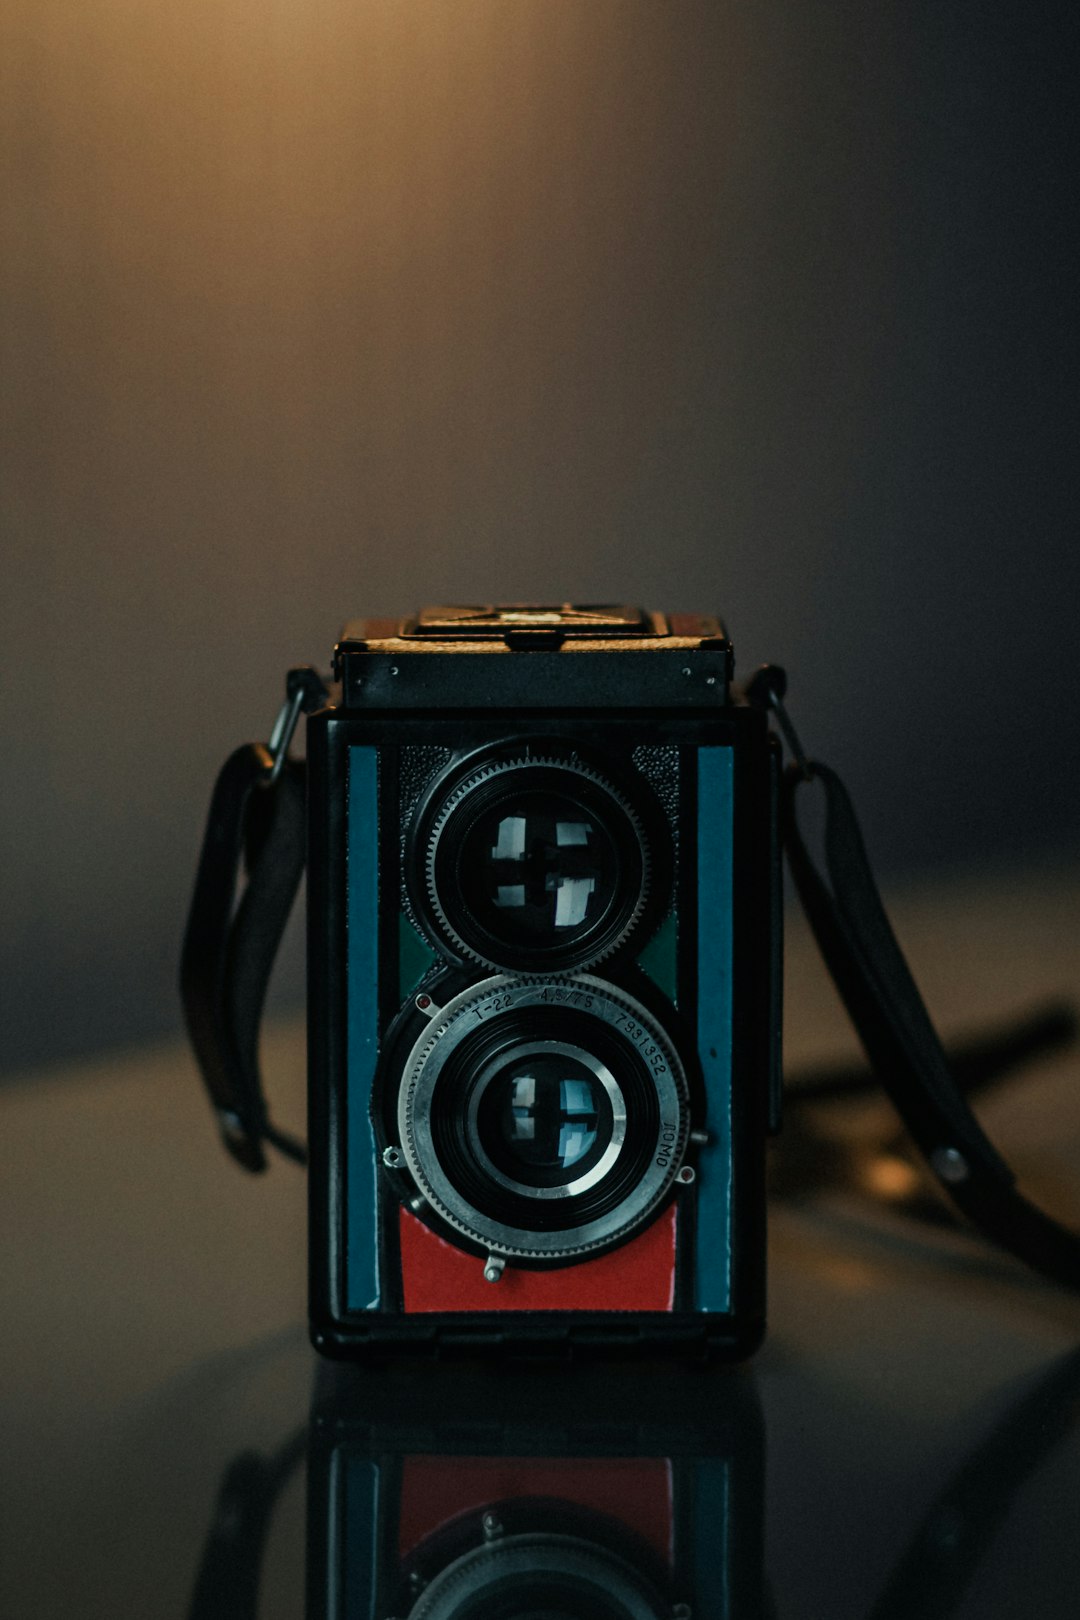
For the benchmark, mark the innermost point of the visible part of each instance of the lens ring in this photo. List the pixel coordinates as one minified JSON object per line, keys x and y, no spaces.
{"x":582,"y":1578}
{"x":538,"y":863}
{"x":468,"y":1038}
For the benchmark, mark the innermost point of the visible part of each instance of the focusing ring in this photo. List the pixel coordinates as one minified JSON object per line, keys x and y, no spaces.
{"x":628,"y":860}
{"x":462,"y":1048}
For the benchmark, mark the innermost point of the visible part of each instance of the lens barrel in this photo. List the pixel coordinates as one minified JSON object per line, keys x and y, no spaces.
{"x":536,"y":862}
{"x":551,"y":1577}
{"x":543,"y":1119}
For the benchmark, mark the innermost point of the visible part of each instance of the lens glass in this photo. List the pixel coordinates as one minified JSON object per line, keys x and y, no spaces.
{"x":547,"y":1117}
{"x":538,"y":870}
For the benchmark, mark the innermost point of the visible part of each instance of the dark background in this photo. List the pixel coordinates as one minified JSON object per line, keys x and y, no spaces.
{"x":311,"y":310}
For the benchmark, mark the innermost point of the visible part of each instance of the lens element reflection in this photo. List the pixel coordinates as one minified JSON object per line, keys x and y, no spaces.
{"x":550,"y":1121}
{"x":537,"y":869}
{"x":548,"y":1116}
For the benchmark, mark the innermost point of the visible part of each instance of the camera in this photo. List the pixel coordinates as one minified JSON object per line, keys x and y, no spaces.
{"x":544,"y":986}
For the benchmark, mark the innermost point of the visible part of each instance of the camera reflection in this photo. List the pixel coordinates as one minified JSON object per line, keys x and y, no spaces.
{"x":591,"y":1494}
{"x":596,"y":1494}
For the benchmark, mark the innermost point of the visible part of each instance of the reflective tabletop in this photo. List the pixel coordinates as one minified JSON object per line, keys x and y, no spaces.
{"x":905,"y":1444}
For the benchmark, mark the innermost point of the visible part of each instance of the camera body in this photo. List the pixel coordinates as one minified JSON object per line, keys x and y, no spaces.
{"x":544,"y":948}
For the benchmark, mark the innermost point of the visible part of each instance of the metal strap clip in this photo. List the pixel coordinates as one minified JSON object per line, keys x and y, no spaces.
{"x":305,"y":690}
{"x":765,"y":690}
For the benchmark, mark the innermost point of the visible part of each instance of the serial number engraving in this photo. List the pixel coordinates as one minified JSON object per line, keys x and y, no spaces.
{"x":645,"y":1044}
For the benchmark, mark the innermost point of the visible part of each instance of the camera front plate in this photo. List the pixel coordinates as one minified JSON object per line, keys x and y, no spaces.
{"x":389,"y":1266}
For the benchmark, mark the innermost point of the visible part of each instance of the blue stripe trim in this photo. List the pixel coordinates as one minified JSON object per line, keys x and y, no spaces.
{"x":713,"y":1532}
{"x":715,"y":828}
{"x":361,"y":1222}
{"x":358,"y":1555}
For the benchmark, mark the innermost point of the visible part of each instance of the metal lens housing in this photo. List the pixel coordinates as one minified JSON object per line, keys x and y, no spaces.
{"x":543,"y":1119}
{"x":539,"y":1574}
{"x":536,"y":862}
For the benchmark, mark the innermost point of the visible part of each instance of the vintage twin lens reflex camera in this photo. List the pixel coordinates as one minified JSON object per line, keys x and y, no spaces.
{"x":544,"y":986}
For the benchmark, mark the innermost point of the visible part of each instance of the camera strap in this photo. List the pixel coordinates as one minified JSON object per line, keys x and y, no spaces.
{"x":229,"y":948}
{"x":257,"y":821}
{"x":860,"y":950}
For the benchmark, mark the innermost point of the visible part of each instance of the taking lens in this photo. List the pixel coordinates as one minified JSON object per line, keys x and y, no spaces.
{"x":550,"y":1120}
{"x":539,"y":1576}
{"x":538,"y":864}
{"x":543,"y":1119}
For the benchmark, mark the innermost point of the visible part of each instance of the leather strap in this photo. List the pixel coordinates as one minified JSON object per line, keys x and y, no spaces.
{"x":230,"y":1571}
{"x":845,"y":912}
{"x":229,"y":949}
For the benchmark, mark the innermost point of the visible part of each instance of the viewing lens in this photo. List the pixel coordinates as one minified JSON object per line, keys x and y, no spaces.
{"x":538,"y":870}
{"x":538,"y":865}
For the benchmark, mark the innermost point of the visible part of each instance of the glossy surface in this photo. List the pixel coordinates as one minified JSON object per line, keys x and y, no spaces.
{"x":918,"y":1396}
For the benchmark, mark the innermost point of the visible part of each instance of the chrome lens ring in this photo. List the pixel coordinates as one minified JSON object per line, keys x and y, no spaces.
{"x":457,"y":1055}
